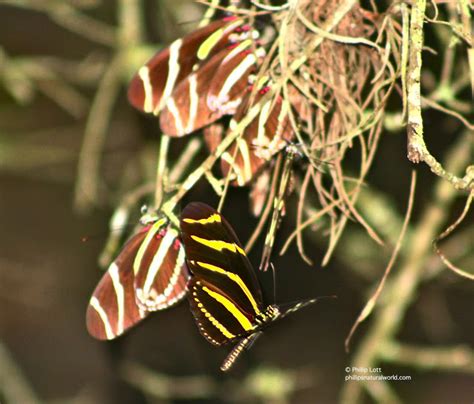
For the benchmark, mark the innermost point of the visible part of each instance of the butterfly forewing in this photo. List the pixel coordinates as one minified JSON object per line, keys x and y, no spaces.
{"x":222,"y":274}
{"x":124,"y":296}
{"x":156,"y":80}
{"x":112,"y":308}
{"x":231,"y":81}
{"x":188,"y":109}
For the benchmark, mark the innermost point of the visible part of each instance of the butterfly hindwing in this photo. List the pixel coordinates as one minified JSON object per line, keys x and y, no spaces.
{"x":219,"y":319}
{"x":112,"y":308}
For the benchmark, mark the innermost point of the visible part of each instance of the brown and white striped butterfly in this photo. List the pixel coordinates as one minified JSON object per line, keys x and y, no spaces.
{"x":149,"y":274}
{"x":154,"y":83}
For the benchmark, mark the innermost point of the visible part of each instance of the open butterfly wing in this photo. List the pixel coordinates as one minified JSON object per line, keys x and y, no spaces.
{"x":224,"y":290}
{"x":156,"y":80}
{"x":188,"y":108}
{"x":149,"y":274}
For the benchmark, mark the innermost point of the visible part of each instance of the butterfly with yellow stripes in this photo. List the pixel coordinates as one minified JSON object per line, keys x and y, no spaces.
{"x":224,"y":293}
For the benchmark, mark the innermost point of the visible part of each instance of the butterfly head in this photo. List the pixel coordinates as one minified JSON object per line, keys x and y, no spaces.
{"x":148,"y":216}
{"x":271,"y":313}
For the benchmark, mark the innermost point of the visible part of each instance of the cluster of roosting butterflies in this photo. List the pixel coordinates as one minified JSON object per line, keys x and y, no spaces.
{"x":199,"y":78}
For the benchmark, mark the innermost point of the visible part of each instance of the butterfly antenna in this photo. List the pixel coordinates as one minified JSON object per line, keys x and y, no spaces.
{"x":295,"y":306}
{"x":274,"y":282}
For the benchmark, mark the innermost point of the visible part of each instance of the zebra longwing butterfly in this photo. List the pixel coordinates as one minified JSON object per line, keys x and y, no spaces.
{"x":150,"y":88}
{"x":267,"y":134}
{"x":224,"y":293}
{"x":149,"y":274}
{"x":214,"y":90}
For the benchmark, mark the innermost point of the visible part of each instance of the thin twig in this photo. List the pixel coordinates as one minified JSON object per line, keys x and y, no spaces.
{"x":447,"y":232}
{"x":268,"y":207}
{"x":369,"y":306}
{"x":192,"y":148}
{"x":448,"y":358}
{"x":161,"y":165}
{"x":87,"y":183}
{"x":88,"y":171}
{"x":417,"y":149}
{"x":118,"y":222}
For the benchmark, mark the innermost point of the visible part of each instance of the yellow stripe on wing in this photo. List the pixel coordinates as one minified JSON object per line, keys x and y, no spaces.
{"x":212,"y":40}
{"x":146,"y":242}
{"x":219,"y":245}
{"x":214,"y":218}
{"x":234,"y":277}
{"x":231,"y":307}
{"x":206,"y":47}
{"x":109,"y":333}
{"x":213,"y":321}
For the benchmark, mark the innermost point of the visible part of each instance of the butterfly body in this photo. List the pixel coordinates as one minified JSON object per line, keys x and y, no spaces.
{"x":229,"y":329}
